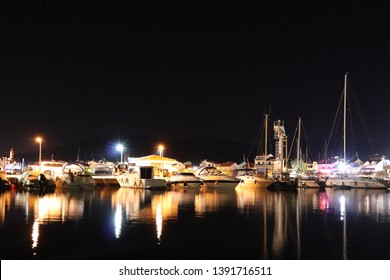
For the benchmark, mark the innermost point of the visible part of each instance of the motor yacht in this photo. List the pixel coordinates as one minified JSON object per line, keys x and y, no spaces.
{"x":35,"y":180}
{"x":74,"y":176}
{"x":185,"y":180}
{"x":212,"y":177}
{"x":250,"y":179}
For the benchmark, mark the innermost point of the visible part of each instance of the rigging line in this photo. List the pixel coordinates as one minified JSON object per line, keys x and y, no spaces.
{"x":337,"y":116}
{"x":262,"y":130}
{"x":354,"y":146}
{"x":293,"y":141}
{"x":349,"y":109}
{"x":337,"y":136}
{"x":351,"y":124}
{"x":307,"y":142}
{"x":256,"y":140}
{"x":370,"y":139}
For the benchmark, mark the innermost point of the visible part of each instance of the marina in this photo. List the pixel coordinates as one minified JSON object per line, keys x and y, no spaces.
{"x":242,"y":224}
{"x":270,"y":207}
{"x":194,"y":139}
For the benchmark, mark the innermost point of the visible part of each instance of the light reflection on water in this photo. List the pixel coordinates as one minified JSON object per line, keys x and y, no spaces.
{"x":302,"y":224}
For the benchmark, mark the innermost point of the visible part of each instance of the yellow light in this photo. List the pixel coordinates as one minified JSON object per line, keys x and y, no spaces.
{"x":39,"y":140}
{"x":161,"y":150}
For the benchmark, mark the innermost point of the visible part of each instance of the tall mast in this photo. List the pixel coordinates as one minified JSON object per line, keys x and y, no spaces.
{"x":266,"y":144}
{"x":345,"y":118}
{"x":299,"y":141}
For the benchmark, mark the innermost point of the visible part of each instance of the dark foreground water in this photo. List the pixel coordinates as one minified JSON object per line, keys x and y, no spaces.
{"x":119,"y":223}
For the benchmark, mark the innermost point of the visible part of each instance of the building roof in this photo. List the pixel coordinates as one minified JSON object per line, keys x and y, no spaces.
{"x":156,"y":158}
{"x":227,"y":163}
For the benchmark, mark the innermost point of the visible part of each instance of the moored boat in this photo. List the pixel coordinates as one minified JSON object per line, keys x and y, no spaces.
{"x":345,"y":179}
{"x":212,"y":177}
{"x":249,"y":179}
{"x":185,"y":180}
{"x":74,"y":176}
{"x":141,"y":177}
{"x":35,"y":180}
{"x":4,"y":182}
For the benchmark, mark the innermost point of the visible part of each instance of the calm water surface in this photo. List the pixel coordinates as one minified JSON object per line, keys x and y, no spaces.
{"x":120,"y":223}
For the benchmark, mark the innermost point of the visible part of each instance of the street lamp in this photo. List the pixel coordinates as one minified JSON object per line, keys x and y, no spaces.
{"x":120,"y":148}
{"x":161,"y":150}
{"x":39,"y":140}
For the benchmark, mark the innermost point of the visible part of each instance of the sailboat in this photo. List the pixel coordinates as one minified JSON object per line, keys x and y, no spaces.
{"x":306,"y":179}
{"x":348,"y":181}
{"x":248,"y":177}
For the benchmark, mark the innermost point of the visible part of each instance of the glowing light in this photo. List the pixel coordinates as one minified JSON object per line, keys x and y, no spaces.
{"x":35,"y":233}
{"x":161,"y":150}
{"x":159,"y":221}
{"x":39,"y":140}
{"x":118,"y":221}
{"x":342,"y":167}
{"x":342,"y":207}
{"x":120,"y":148}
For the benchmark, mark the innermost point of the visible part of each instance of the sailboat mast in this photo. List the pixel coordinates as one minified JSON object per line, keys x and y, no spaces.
{"x":266,"y":144}
{"x":299,"y":141}
{"x":345,"y":118}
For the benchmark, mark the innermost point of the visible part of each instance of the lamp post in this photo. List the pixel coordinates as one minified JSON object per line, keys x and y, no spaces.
{"x":39,"y":140}
{"x":161,"y":150}
{"x":120,"y":148}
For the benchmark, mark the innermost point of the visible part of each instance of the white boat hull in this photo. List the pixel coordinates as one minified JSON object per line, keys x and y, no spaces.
{"x":220,"y":183}
{"x":253,"y":182}
{"x":75,"y":182}
{"x":214,"y":178}
{"x":128,"y":181}
{"x":185,"y":184}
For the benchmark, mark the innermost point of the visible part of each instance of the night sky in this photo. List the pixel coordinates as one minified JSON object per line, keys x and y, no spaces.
{"x":73,"y":70}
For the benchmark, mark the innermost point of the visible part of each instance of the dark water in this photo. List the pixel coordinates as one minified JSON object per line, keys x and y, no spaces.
{"x":121,"y":223}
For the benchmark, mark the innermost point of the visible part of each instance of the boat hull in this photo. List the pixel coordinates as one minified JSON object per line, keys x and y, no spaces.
{"x":152,"y":184}
{"x":220,"y":183}
{"x":253,"y":182}
{"x":75,"y":182}
{"x":185,"y":184}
